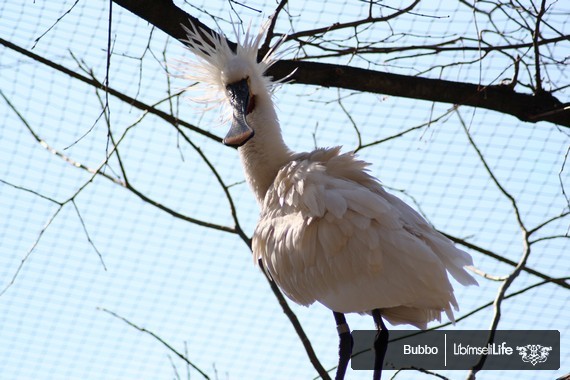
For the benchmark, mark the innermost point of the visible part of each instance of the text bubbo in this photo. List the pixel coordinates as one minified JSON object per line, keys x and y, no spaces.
{"x":420,"y":350}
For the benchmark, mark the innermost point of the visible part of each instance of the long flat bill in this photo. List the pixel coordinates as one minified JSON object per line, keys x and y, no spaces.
{"x":239,"y":132}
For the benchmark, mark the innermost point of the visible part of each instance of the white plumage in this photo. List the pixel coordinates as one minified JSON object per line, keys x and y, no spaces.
{"x":328,"y":231}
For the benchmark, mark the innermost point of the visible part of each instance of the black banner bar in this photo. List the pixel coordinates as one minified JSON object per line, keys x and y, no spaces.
{"x":461,"y":350}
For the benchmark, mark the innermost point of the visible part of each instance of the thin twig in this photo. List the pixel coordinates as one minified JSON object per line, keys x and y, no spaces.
{"x":54,"y":24}
{"x":30,"y":191}
{"x":551,"y":237}
{"x":32,"y":248}
{"x":548,"y":221}
{"x":535,"y":38}
{"x":500,"y":258}
{"x":87,"y":233}
{"x":144,"y":330}
{"x":560,"y":177}
{"x":352,"y":122}
{"x":422,"y":370}
{"x":352,"y":24}
{"x":487,"y":275}
{"x":406,"y":131}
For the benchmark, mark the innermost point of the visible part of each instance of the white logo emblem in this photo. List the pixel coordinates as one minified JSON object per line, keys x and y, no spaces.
{"x":534,"y":353}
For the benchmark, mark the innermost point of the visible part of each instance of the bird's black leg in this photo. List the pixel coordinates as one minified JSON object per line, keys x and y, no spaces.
{"x":344,"y":346}
{"x":380,"y":344}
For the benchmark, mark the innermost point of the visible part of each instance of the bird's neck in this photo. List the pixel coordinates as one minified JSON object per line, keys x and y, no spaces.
{"x":266,"y":152}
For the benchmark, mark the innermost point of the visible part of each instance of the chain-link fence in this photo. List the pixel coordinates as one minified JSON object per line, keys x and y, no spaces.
{"x":111,"y":206}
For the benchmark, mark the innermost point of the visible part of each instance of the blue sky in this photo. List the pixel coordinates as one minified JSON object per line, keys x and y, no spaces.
{"x":196,"y":287}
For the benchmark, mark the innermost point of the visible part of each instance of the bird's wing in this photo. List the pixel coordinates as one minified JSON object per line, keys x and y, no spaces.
{"x":328,"y":232}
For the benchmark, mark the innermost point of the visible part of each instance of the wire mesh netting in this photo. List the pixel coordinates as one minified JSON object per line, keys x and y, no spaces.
{"x":79,"y":249}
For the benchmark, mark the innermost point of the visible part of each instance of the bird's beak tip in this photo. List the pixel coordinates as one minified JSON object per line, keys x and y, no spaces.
{"x":237,"y":139}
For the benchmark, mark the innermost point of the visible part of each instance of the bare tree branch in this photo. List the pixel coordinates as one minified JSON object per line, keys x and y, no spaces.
{"x":527,"y":107}
{"x":119,"y":95}
{"x":266,"y":44}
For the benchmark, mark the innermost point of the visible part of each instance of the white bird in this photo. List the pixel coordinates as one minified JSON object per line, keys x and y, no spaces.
{"x":328,"y":232}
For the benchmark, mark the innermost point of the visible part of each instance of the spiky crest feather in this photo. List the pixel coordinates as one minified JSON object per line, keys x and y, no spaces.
{"x":216,"y":64}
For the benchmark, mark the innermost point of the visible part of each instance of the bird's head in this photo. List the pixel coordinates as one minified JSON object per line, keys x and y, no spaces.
{"x":232,"y":78}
